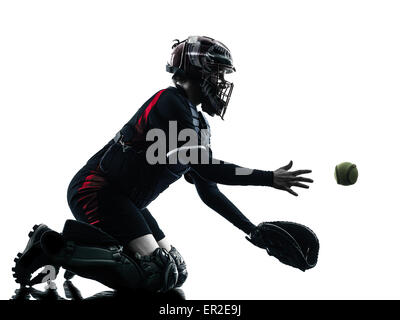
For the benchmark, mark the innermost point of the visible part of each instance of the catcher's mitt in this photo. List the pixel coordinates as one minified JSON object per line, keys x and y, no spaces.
{"x":291,"y":243}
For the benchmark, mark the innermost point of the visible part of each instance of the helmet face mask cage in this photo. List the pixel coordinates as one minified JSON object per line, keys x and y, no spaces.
{"x":216,"y":92}
{"x":207,"y":60}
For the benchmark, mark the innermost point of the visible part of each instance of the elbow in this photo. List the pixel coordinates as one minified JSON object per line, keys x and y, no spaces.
{"x":208,"y":193}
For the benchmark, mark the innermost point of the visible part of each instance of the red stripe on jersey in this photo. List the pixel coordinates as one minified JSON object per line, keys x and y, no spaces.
{"x":88,"y":195}
{"x":92,"y":181}
{"x":91,"y":211}
{"x":146,"y":112}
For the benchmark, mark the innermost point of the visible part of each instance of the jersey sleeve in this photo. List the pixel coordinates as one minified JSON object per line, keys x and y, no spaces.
{"x":210,"y":194}
{"x":231,"y":174}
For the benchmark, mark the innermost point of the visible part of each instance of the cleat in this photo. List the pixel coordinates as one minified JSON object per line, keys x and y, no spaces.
{"x":13,"y":269}
{"x":32,"y":258}
{"x":34,"y":228}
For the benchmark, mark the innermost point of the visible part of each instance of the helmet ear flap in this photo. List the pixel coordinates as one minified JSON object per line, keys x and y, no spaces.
{"x":179,"y":75}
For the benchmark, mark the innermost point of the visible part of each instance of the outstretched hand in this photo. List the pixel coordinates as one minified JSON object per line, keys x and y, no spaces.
{"x":285,"y":179}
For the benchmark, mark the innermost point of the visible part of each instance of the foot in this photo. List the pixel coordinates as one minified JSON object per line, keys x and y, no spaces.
{"x":32,"y":258}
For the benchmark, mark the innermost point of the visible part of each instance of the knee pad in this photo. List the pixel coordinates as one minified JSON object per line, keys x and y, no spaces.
{"x":180,"y":265}
{"x":159,"y":269}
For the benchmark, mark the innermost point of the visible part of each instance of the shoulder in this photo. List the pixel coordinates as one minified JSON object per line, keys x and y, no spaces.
{"x":172,"y":103}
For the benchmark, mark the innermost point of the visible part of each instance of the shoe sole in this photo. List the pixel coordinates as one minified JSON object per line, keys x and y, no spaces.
{"x":32,"y":258}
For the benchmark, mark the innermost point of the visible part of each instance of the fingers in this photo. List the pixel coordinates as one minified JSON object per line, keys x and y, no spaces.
{"x":291,"y":191}
{"x":290,"y":178}
{"x":302,"y":179}
{"x":298,"y":172}
{"x":300,"y":185}
{"x":288,"y":166}
{"x":286,"y":180}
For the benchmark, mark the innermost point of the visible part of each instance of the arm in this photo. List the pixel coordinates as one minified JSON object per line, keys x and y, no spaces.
{"x":173,"y":108}
{"x":216,"y":200}
{"x":232,"y":174}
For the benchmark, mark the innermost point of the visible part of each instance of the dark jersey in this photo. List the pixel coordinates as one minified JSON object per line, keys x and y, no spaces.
{"x":124,"y":161}
{"x":167,"y":109}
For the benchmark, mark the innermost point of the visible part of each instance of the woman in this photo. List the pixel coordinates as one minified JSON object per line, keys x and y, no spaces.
{"x":114,"y":188}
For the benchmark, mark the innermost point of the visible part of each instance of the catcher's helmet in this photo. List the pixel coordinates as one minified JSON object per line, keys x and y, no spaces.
{"x":207,"y":60}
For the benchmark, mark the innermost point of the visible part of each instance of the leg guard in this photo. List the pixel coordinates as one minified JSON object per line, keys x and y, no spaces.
{"x":181,"y":266}
{"x":89,"y":252}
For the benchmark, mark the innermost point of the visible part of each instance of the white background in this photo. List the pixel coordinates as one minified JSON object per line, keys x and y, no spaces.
{"x":317,"y":82}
